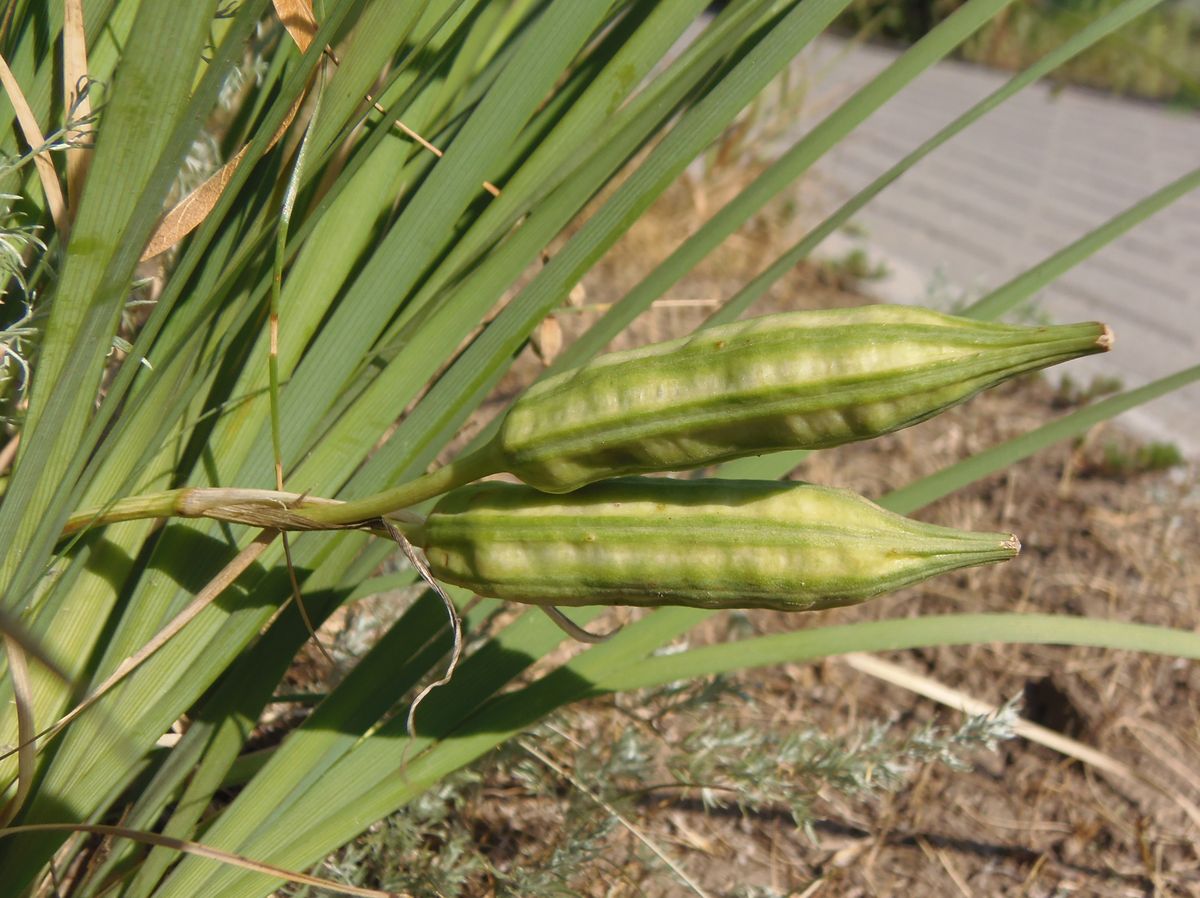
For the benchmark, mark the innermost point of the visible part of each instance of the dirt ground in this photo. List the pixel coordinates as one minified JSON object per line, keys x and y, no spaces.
{"x":1025,"y":820}
{"x":1101,"y":538}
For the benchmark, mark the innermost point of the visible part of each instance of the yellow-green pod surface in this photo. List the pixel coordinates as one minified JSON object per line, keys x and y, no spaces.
{"x":797,"y":380}
{"x":704,"y":543}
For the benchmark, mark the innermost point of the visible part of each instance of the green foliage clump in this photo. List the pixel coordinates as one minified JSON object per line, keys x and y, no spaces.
{"x":316,"y":326}
{"x":1143,"y":459}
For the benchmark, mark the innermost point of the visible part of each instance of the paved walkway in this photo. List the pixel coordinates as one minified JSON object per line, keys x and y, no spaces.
{"x":1019,"y":184}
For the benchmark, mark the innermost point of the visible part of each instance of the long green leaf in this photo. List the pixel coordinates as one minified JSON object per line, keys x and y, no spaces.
{"x":430,"y":216}
{"x":796,"y":161}
{"x":929,"y":489}
{"x":926,"y":631}
{"x":1007,"y":296}
{"x":140,"y":147}
{"x":1095,"y":31}
{"x":482,"y":363}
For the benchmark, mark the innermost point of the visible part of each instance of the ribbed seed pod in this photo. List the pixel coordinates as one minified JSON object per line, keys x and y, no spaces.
{"x":704,"y":543}
{"x":797,"y":380}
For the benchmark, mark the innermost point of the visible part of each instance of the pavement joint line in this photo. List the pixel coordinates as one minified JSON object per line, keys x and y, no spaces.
{"x":1035,"y":174}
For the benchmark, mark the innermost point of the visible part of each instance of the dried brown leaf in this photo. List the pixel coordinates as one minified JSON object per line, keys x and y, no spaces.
{"x":187,"y":215}
{"x":190,"y":211}
{"x":74,"y":75}
{"x":297,"y":17}
{"x":32,"y":133}
{"x":548,"y":340}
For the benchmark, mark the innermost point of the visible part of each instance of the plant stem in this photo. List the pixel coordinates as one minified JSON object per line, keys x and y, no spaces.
{"x":283,"y":510}
{"x":132,"y":508}
{"x":187,"y":502}
{"x":480,"y":463}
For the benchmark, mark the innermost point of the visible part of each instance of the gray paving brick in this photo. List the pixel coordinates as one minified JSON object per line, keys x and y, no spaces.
{"x":1028,"y":179}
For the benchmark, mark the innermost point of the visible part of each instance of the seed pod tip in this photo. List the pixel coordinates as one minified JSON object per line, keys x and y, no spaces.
{"x":1106,"y":339}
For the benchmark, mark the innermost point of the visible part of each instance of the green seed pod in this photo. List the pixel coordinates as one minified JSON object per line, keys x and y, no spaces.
{"x":797,"y":380}
{"x":704,"y":543}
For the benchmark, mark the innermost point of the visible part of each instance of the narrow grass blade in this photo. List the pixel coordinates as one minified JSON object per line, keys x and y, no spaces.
{"x":934,"y":46}
{"x":929,"y":489}
{"x":136,"y":156}
{"x":904,"y":633}
{"x":1102,"y":27}
{"x":481,"y":364}
{"x":1008,"y":296}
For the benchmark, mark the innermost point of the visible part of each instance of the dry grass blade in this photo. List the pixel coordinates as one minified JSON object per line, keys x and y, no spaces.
{"x":32,"y":133}
{"x":13,"y":629}
{"x":618,"y":816}
{"x":297,"y":17}
{"x":74,"y":76}
{"x":953,"y":698}
{"x":26,"y":754}
{"x":187,"y":215}
{"x":201,"y":850}
{"x":203,"y":599}
{"x":487,"y":185}
{"x":936,"y":854}
{"x":190,"y":212}
{"x":451,"y":611}
{"x":573,"y":629}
